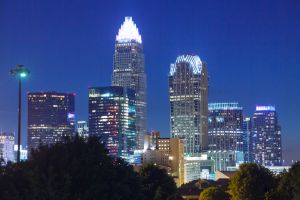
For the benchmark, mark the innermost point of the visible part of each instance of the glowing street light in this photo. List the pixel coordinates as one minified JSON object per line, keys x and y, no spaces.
{"x":20,"y":72}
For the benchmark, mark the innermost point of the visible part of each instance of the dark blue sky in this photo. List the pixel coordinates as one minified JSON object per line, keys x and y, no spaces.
{"x":252,"y":49}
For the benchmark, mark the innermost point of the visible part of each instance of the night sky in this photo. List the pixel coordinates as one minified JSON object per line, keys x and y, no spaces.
{"x":252,"y":49}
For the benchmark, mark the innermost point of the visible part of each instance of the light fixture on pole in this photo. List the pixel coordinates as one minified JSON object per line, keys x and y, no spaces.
{"x":20,"y":72}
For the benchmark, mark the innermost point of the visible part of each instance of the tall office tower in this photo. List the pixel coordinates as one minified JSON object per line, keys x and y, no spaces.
{"x":225,"y":127}
{"x":51,"y":117}
{"x":128,"y":71}
{"x":246,"y":138}
{"x":266,"y":138}
{"x":112,"y":117}
{"x":225,"y":134}
{"x":7,"y":141}
{"x":188,"y":90}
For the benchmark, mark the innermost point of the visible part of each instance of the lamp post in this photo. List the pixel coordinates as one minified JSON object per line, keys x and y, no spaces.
{"x":20,"y":72}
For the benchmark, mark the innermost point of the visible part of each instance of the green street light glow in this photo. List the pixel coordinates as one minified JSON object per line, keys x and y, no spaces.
{"x":23,"y":74}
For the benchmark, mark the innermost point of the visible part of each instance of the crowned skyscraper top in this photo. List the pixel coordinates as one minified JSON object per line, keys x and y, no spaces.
{"x":128,"y":71}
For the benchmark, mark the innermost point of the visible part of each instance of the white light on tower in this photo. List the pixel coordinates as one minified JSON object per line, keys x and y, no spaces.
{"x":128,"y":32}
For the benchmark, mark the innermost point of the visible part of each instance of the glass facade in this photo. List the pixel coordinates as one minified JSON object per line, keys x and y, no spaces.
{"x":188,"y":90}
{"x":50,"y":117}
{"x":128,"y":71}
{"x":82,"y":129}
{"x":266,"y":137}
{"x":7,"y":141}
{"x":112,"y":117}
{"x":225,"y":127}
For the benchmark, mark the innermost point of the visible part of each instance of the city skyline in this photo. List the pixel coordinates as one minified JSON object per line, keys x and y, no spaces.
{"x":56,"y":71}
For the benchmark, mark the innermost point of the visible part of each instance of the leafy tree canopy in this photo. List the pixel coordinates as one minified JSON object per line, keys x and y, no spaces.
{"x":252,"y":182}
{"x":74,"y":169}
{"x":213,"y":193}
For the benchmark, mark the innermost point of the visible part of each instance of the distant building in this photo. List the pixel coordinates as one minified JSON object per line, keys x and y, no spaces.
{"x":129,"y":71}
{"x":82,"y":129}
{"x":168,"y":153}
{"x":112,"y":117}
{"x":7,"y":141}
{"x":151,"y":140}
{"x":51,"y":117}
{"x":23,"y":152}
{"x":188,"y":90}
{"x":247,"y":127}
{"x":266,"y":137}
{"x":225,"y":134}
{"x":225,"y":127}
{"x":198,"y":167}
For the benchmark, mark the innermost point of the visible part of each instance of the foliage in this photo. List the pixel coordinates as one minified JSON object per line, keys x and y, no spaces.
{"x":74,"y":169}
{"x":289,"y":184}
{"x":157,"y":184}
{"x":213,"y":193}
{"x":252,"y":182}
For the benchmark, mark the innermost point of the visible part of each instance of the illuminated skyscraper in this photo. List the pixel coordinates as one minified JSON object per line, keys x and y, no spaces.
{"x":266,"y":137}
{"x":112,"y":117}
{"x":50,"y":117}
{"x":225,"y":127}
{"x":188,"y":90}
{"x":225,"y":134}
{"x":128,"y":71}
{"x":7,"y":141}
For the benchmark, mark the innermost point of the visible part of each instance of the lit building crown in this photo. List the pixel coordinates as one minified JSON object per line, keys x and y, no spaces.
{"x":128,"y":32}
{"x":224,"y":106}
{"x":265,"y":108}
{"x":194,"y":61}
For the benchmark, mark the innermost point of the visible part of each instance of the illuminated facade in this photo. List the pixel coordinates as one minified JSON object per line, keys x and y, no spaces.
{"x":168,"y":152}
{"x":112,"y":117}
{"x":51,"y":117}
{"x":198,"y":167}
{"x":128,"y":71}
{"x":225,"y":127}
{"x":82,"y":129}
{"x":188,"y":90}
{"x":247,"y":127}
{"x":7,"y":142}
{"x":23,"y":152}
{"x":266,"y":137}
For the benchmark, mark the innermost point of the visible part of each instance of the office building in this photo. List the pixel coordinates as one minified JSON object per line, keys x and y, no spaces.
{"x":23,"y":152}
{"x":129,"y":71}
{"x":198,"y":167}
{"x":247,"y":127}
{"x":169,"y":153}
{"x":112,"y":118}
{"x":7,"y":141}
{"x":51,"y":117}
{"x":188,"y":90}
{"x":266,"y":137}
{"x":82,"y":129}
{"x":225,"y":127}
{"x":151,"y":140}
